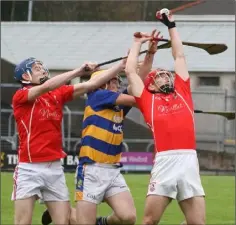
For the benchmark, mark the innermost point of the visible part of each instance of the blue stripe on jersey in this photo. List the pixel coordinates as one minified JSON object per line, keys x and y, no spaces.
{"x":102,"y":123}
{"x":102,"y":146}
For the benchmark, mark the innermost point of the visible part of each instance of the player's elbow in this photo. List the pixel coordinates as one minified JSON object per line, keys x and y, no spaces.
{"x":180,"y":59}
{"x":38,"y":91}
{"x":45,"y":87}
{"x":129,"y":71}
{"x":83,"y":88}
{"x":178,"y":55}
{"x":90,"y":85}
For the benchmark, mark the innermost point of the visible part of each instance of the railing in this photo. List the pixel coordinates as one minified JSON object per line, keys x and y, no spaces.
{"x":11,"y":133}
{"x":215,"y":149}
{"x":213,"y":132}
{"x":71,"y":136}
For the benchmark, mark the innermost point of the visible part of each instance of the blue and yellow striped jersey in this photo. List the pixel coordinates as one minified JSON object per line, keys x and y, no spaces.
{"x":102,"y":132}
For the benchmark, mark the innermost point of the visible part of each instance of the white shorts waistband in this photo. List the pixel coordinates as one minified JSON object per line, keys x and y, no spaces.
{"x":176,"y":152}
{"x":41,"y":165}
{"x":106,"y":165}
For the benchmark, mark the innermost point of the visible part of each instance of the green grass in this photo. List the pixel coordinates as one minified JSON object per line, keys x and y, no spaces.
{"x":220,"y":199}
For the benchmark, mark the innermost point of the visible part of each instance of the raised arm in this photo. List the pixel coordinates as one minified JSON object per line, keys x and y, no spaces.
{"x":57,"y":81}
{"x":178,"y":54}
{"x":98,"y":81}
{"x":146,"y":66}
{"x":177,"y":46}
{"x":135,"y":82}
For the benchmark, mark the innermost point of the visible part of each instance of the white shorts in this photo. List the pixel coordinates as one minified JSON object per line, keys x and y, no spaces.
{"x":175,"y":174}
{"x":96,"y":182}
{"x":44,"y":180}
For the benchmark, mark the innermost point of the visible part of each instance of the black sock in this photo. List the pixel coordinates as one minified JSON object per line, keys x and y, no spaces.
{"x":101,"y":220}
{"x":46,"y":218}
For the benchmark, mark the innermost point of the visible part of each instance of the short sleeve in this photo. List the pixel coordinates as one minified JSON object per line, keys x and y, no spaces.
{"x":100,"y":98}
{"x":67,"y":92}
{"x":20,"y":97}
{"x":144,"y":99}
{"x":181,"y":84}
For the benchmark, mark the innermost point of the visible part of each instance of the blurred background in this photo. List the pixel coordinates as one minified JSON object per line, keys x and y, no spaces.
{"x":64,"y":34}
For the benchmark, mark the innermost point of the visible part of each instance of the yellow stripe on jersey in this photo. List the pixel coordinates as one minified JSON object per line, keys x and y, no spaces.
{"x":103,"y":135}
{"x":98,"y":156}
{"x":106,"y":113}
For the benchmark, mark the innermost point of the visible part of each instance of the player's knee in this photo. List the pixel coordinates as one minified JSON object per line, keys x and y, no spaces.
{"x":129,"y":218}
{"x":23,"y":219}
{"x":63,"y":219}
{"x":149,"y":220}
{"x":22,"y":215}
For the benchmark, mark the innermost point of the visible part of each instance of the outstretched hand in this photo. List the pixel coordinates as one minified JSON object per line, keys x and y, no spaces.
{"x":124,"y":60}
{"x":166,"y":19}
{"x":88,"y":68}
{"x":142,"y":37}
{"x":152,"y":46}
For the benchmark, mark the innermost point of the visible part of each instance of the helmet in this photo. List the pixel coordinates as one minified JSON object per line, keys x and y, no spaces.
{"x":96,"y":73}
{"x":101,"y":71}
{"x":26,"y":67}
{"x":151,"y":78}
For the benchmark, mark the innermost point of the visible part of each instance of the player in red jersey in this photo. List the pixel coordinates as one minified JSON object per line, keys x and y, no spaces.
{"x":38,"y":111}
{"x":166,"y":103}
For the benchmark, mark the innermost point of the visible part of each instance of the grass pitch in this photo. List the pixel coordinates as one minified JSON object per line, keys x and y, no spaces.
{"x":220,"y":199}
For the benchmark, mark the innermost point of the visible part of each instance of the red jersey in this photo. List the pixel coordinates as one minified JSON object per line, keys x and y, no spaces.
{"x":170,"y":117}
{"x":39,"y":124}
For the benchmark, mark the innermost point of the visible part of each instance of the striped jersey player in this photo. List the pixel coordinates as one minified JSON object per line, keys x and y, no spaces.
{"x":98,"y":172}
